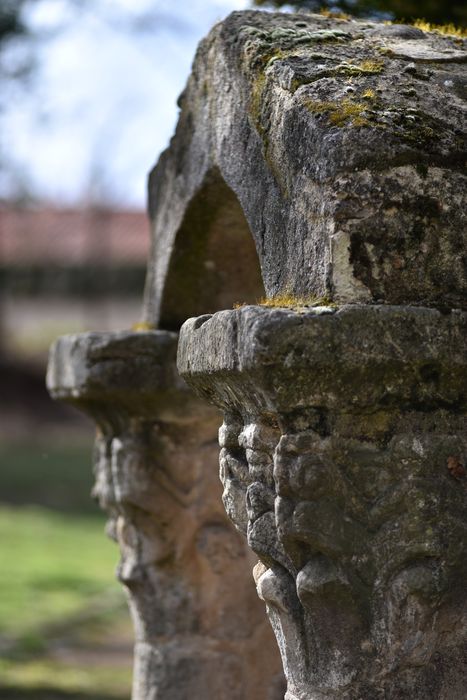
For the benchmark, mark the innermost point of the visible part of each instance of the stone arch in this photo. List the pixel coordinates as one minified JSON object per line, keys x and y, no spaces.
{"x":213,"y":263}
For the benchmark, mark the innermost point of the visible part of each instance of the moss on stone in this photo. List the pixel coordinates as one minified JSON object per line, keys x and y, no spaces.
{"x":446,"y":29}
{"x":422,"y":169}
{"x":305,"y":36}
{"x":293,"y":301}
{"x":340,"y":113}
{"x":257,"y":101}
{"x":143,"y":326}
{"x":334,"y":14}
{"x":260,"y":121}
{"x":277,"y":56}
{"x":345,"y":69}
{"x":385,"y":51}
{"x":288,"y":300}
{"x":410,"y":124}
{"x":258,"y":51}
{"x":369,"y":67}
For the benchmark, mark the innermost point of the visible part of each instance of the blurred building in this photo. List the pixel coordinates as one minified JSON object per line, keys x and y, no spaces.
{"x":68,"y":270}
{"x":61,"y":271}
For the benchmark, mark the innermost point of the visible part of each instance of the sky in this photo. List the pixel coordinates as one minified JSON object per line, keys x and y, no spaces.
{"x":102,"y":104}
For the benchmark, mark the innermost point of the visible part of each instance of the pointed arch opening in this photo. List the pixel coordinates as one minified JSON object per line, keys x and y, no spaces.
{"x":214,"y":263}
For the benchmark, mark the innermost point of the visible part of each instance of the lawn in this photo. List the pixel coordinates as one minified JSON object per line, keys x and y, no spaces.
{"x":64,"y":627}
{"x":57,"y":476}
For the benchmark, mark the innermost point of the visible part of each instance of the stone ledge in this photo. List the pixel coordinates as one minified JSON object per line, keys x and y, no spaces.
{"x":130,"y":372}
{"x":357,"y":356}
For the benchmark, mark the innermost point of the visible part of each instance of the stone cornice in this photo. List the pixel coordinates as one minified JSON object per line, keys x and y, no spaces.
{"x":357,"y":357}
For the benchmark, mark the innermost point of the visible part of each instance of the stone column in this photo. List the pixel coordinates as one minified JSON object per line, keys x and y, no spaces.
{"x":200,"y":631}
{"x":342,"y":457}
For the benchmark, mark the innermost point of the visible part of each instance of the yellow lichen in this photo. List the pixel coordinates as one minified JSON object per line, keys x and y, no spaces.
{"x":141,"y":326}
{"x":449,"y":29}
{"x":369,"y":94}
{"x":289,"y":300}
{"x":340,"y":112}
{"x":370,"y":66}
{"x":292,"y":301}
{"x":325,"y":12}
{"x":356,"y":69}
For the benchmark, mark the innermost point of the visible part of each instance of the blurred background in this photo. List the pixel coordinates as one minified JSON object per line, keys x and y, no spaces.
{"x":87,"y":102}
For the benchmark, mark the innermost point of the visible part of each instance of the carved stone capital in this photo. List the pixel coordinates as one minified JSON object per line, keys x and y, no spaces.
{"x":199,"y":628}
{"x":342,"y":454}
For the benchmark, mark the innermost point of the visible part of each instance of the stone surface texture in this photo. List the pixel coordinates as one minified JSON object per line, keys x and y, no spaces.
{"x":200,"y":629}
{"x":343,"y":142}
{"x":341,"y":431}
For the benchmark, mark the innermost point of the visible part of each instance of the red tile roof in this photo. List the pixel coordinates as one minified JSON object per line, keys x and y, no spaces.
{"x":72,"y":236}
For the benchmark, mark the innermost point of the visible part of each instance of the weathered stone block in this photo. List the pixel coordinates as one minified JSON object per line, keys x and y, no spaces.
{"x":343,"y":143}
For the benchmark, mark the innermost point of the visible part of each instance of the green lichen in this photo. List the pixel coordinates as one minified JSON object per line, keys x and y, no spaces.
{"x":410,"y":124}
{"x":305,"y":36}
{"x":277,"y":56}
{"x":260,"y":119}
{"x":261,"y":45}
{"x":345,"y":69}
{"x":413,"y":125}
{"x":254,"y":31}
{"x":256,"y":102}
{"x":364,"y":68}
{"x":259,"y":56}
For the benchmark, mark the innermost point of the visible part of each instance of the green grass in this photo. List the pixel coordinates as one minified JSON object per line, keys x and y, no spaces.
{"x":55,"y":476}
{"x":57,"y":583}
{"x":50,"y":680}
{"x":56,"y":567}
